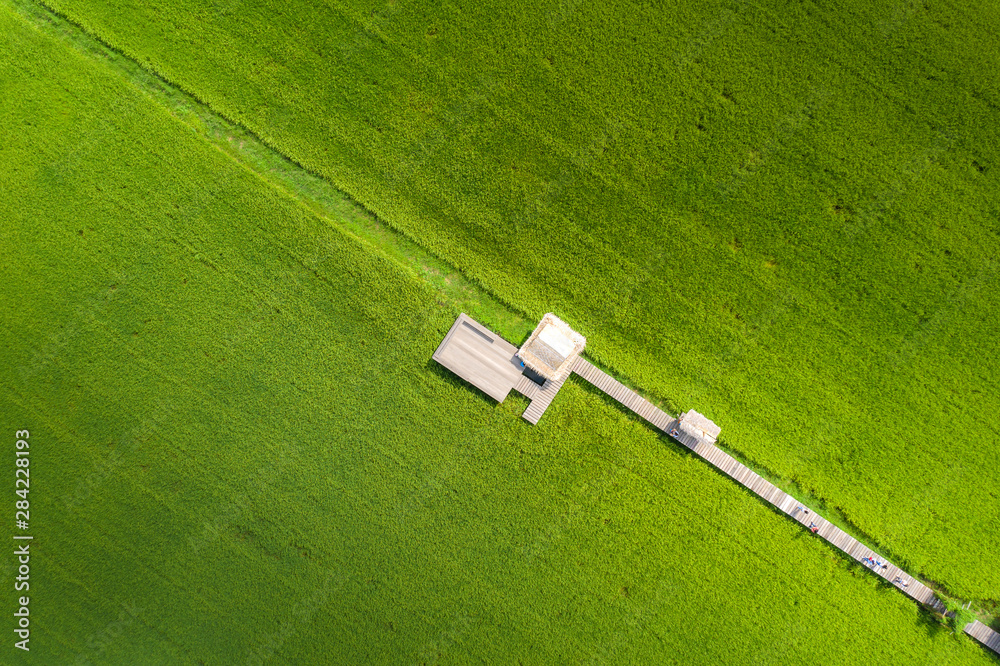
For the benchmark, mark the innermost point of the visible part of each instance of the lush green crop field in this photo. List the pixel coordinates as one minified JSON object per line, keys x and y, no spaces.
{"x":241,"y":452}
{"x":784,"y":216}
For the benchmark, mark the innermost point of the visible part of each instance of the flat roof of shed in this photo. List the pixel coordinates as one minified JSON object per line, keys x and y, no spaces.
{"x":480,"y":357}
{"x":693,"y":419}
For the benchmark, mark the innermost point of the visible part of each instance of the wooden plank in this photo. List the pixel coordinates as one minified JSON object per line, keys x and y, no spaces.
{"x":480,"y":357}
{"x":733,"y":468}
{"x":765,"y":489}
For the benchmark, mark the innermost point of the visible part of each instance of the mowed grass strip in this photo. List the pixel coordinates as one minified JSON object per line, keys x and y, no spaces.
{"x":241,"y":452}
{"x":786,"y":218}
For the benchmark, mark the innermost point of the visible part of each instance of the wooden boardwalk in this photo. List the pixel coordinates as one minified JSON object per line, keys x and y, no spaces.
{"x":487,"y":361}
{"x":761,"y":487}
{"x":984,"y":635}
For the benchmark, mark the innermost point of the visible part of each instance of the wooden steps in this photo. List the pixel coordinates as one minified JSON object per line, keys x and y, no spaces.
{"x":526,"y":387}
{"x":542,"y":399}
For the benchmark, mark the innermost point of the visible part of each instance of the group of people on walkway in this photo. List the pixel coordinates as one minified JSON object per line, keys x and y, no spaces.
{"x":872,"y":563}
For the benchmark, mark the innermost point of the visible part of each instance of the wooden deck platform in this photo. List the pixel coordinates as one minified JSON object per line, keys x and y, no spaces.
{"x":480,"y":357}
{"x":487,"y":361}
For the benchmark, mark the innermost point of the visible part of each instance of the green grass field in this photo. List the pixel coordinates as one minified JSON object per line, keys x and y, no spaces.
{"x":786,"y":217}
{"x":244,"y":454}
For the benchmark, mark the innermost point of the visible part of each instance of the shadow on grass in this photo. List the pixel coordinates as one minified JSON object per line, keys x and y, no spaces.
{"x":930,"y":624}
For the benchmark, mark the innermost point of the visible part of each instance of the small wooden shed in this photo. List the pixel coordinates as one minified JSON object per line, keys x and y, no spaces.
{"x":697,"y":425}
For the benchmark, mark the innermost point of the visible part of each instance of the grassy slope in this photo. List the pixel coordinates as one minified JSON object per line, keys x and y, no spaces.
{"x":206,"y":369}
{"x":785,"y":217}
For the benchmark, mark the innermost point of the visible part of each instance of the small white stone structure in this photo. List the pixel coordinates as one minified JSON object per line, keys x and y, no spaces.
{"x":697,"y":425}
{"x":552,"y":348}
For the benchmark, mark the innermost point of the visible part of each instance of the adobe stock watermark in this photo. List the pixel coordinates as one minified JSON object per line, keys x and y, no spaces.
{"x":223,"y":520}
{"x":585,"y":495}
{"x":98,"y":642}
{"x":105,"y":467}
{"x":300,"y":614}
{"x":637,"y":621}
{"x":87,"y":314}
{"x":436,"y":649}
